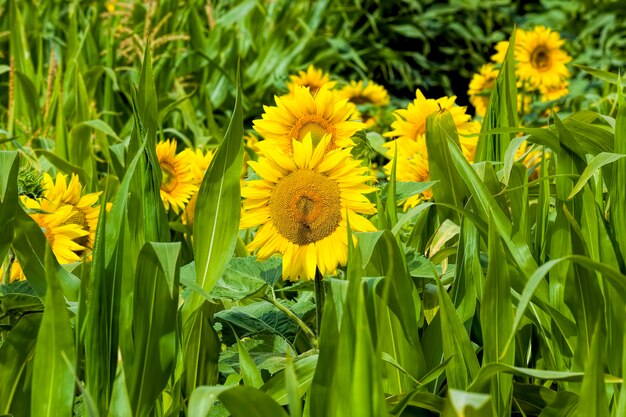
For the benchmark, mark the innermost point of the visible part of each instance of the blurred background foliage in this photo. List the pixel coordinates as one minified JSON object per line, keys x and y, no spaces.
{"x":432,"y":45}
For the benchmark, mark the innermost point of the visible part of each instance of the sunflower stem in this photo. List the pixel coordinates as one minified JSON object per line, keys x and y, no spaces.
{"x":306,"y":329}
{"x":319,"y":298}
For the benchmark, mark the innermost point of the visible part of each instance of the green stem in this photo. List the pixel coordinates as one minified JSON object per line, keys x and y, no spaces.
{"x":306,"y":329}
{"x":319,"y":298}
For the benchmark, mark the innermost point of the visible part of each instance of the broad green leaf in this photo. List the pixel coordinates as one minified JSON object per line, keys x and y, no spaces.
{"x":15,"y":351}
{"x":463,"y":366}
{"x":496,"y":318}
{"x":101,"y":322}
{"x":303,"y":370}
{"x":202,"y":400}
{"x":155,"y":304}
{"x":593,"y":400}
{"x":217,"y":207}
{"x":53,"y":376}
{"x":440,"y":130}
{"x":467,"y":404}
{"x":245,"y":401}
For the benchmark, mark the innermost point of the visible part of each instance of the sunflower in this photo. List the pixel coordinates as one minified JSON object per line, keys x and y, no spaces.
{"x":62,"y":232}
{"x":201,"y":162}
{"x":501,"y":48}
{"x":178,"y":183}
{"x":480,"y":88}
{"x":303,"y":204}
{"x":370,"y":93}
{"x":550,"y":93}
{"x":411,"y":166}
{"x":531,"y":158}
{"x":540,"y":59}
{"x":296,"y":115}
{"x":59,"y":193}
{"x":410,"y":123}
{"x":313,"y":78}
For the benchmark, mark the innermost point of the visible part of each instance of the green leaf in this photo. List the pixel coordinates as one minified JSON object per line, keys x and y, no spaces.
{"x":463,"y":366}
{"x":217,"y":207}
{"x":303,"y":370}
{"x":501,"y":112}
{"x":202,"y":400}
{"x":53,"y":376}
{"x":467,"y":404}
{"x":607,"y":76}
{"x":593,"y":400}
{"x":249,"y":372}
{"x":440,"y":130}
{"x":496,"y":319}
{"x":15,"y":351}
{"x":245,"y":401}
{"x":155,"y":304}
{"x":9,"y":166}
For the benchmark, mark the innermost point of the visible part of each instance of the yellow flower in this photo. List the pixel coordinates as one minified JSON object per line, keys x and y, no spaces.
{"x":549,"y":93}
{"x":59,"y":193}
{"x":296,"y":115}
{"x":540,"y":59}
{"x":201,"y":162}
{"x":480,"y":88}
{"x":500,"y":54}
{"x":410,"y":123}
{"x":62,"y":232}
{"x":178,"y":183}
{"x":302,"y":205}
{"x":531,"y":158}
{"x":411,"y":166}
{"x":313,"y":78}
{"x":371,"y":93}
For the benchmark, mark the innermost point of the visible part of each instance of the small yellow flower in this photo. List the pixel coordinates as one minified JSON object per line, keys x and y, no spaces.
{"x":312,"y":78}
{"x":201,"y":162}
{"x":370,"y":93}
{"x":178,"y":183}
{"x":302,"y":113}
{"x":480,"y":88}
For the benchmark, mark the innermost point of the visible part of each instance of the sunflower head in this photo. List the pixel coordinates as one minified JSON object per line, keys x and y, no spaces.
{"x":63,"y":232}
{"x":540,"y":59}
{"x":550,"y":93}
{"x":411,"y":166}
{"x":410,"y":123}
{"x":59,"y":192}
{"x":201,"y":162}
{"x":302,"y":204}
{"x":370,"y":93}
{"x":312,"y":78}
{"x":178,"y":183}
{"x":301,"y":114}
{"x":501,"y":48}
{"x":480,"y":88}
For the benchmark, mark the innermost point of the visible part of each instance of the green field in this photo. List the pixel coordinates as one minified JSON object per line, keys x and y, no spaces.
{"x":282,"y":208}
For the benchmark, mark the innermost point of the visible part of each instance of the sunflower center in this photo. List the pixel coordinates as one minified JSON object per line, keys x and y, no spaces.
{"x":313,"y":124}
{"x":306,"y":207}
{"x":360,"y":99}
{"x":540,"y":58}
{"x":169,"y":179}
